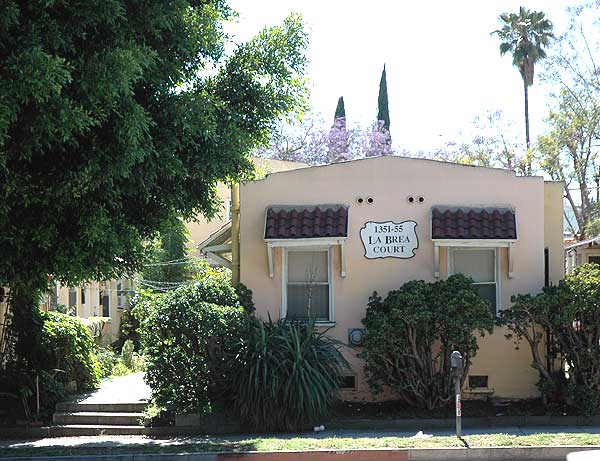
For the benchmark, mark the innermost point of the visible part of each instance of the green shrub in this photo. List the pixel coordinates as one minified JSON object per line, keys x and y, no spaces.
{"x":127,"y":354}
{"x":67,"y":345}
{"x":245,"y":296}
{"x":130,"y":324}
{"x":411,"y":334}
{"x":289,"y":376}
{"x":120,"y":369}
{"x":570,"y":313}
{"x":188,"y":341}
{"x":138,"y":363}
{"x":107,"y":358}
{"x":52,"y":391}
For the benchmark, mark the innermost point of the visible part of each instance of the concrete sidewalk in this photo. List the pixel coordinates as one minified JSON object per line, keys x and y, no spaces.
{"x":143,"y":441}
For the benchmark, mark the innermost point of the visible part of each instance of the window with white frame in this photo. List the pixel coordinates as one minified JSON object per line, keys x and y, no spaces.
{"x":481,"y":265}
{"x":307,"y":290}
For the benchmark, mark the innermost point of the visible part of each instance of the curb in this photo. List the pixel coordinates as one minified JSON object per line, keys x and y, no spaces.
{"x":553,"y":453}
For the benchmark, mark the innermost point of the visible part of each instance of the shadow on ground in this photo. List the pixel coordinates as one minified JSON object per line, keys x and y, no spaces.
{"x":80,"y":446}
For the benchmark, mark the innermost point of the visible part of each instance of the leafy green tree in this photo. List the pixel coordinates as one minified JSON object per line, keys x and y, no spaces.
{"x":525,"y":35}
{"x":412,"y":332}
{"x":383,"y":111}
{"x":570,"y":313}
{"x":115,"y":117}
{"x":168,"y":263}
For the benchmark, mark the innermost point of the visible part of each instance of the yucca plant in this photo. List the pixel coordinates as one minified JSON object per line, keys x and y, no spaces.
{"x":290,"y":376}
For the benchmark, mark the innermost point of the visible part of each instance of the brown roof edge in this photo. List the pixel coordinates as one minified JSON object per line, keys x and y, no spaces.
{"x":473,"y":223}
{"x":306,"y":221}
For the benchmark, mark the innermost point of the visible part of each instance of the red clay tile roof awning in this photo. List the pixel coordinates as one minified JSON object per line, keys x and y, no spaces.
{"x":473,"y":223}
{"x":305,"y":222}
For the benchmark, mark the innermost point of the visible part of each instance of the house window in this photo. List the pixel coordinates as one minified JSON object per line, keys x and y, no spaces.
{"x":594,"y":259}
{"x":121,"y":296}
{"x":82,"y":295}
{"x":480,"y":265}
{"x":307,"y":287}
{"x":348,"y":383}
{"x":105,"y":305}
{"x":73,"y":298}
{"x":478,"y":381}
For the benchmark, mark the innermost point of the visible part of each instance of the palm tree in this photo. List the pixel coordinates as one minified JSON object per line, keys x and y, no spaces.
{"x":525,"y":35}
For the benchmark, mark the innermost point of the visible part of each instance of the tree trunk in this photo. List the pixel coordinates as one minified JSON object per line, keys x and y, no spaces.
{"x":26,"y":325}
{"x":527,"y":144}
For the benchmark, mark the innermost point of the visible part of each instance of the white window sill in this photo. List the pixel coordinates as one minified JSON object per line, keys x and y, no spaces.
{"x":324,"y":324}
{"x":318,"y":323}
{"x":481,"y":390}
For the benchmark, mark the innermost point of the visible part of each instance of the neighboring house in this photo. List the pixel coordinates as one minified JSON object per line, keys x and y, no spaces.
{"x":324,"y":238}
{"x":587,"y":251}
{"x":212,"y":239}
{"x":94,"y":299}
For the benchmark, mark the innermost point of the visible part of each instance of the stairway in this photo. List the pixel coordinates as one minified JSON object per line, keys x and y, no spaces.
{"x":84,"y":418}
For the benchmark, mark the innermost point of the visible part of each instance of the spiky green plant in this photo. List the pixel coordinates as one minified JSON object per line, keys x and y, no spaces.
{"x":290,"y":376}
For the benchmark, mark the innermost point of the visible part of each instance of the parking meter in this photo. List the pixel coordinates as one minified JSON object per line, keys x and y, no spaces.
{"x":457,"y":367}
{"x":456,"y":362}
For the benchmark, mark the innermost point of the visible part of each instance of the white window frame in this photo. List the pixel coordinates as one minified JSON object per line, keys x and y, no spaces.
{"x":497,"y":269}
{"x":284,"y":279}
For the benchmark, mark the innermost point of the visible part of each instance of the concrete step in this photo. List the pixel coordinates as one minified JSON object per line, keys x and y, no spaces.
{"x":97,"y":418}
{"x":77,"y":430}
{"x":120,"y":407}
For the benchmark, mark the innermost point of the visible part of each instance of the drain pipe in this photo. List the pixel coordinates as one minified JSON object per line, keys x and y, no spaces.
{"x":235,"y":234}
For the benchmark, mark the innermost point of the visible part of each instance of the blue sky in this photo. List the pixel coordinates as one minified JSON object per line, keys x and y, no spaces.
{"x":443,"y":67}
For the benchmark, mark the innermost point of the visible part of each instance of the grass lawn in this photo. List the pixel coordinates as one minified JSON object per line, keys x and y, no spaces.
{"x":285,"y":443}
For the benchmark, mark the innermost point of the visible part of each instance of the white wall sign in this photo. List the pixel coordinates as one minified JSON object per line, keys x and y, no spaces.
{"x":389,"y":239}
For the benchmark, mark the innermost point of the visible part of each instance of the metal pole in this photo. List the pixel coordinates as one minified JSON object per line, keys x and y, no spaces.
{"x":235,"y":234}
{"x":458,"y":404}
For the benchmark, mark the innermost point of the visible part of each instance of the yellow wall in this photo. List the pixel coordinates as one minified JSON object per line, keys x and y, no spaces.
{"x":389,"y":181}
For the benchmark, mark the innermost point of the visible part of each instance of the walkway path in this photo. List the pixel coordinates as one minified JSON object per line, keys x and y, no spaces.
{"x":122,"y":389}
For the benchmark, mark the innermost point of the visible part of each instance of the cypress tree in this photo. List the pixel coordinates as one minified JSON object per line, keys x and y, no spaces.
{"x":383,"y":112}
{"x":340,"y":110}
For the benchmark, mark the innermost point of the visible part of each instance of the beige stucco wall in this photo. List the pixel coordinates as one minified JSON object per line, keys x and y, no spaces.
{"x":389,"y":180}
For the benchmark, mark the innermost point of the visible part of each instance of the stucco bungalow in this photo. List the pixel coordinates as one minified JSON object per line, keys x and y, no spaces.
{"x":324,"y":238}
{"x":584,"y":252}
